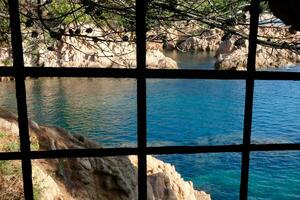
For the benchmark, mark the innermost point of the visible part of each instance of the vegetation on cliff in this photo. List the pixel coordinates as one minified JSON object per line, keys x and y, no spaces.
{"x":102,"y":178}
{"x":50,"y":25}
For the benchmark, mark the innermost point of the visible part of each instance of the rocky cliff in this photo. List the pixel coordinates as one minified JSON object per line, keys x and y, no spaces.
{"x":232,"y":53}
{"x":232,"y":57}
{"x":107,"y":51}
{"x":113,"y":178}
{"x":231,"y":50}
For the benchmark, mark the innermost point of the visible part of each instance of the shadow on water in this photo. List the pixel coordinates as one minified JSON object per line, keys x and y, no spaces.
{"x":193,"y":60}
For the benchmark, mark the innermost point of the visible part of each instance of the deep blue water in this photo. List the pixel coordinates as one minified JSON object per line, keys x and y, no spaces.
{"x":182,"y":112}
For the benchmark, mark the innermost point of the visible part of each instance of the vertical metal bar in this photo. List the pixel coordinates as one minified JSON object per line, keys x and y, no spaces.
{"x":17,"y":49}
{"x":249,"y":99}
{"x":141,"y":97}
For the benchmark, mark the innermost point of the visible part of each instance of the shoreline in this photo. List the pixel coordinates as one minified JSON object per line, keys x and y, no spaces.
{"x":163,"y":180}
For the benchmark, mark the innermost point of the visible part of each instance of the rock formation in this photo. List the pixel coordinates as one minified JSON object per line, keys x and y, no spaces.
{"x":230,"y":57}
{"x":207,"y":40}
{"x":96,"y":177}
{"x":165,"y":183}
{"x":77,"y":53}
{"x":233,"y":56}
{"x":91,"y":51}
{"x":111,"y":52}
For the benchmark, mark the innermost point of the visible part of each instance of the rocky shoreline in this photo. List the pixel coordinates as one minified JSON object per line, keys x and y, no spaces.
{"x":232,"y":54}
{"x":231,"y":50}
{"x":95,"y":178}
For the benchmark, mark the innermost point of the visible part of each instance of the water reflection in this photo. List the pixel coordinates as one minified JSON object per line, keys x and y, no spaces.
{"x":101,"y":109}
{"x":193,"y":60}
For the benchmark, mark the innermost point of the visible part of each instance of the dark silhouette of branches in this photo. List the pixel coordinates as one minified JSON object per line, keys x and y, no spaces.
{"x":51,"y":21}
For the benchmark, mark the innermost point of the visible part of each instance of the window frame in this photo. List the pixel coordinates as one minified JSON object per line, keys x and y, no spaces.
{"x":141,"y":73}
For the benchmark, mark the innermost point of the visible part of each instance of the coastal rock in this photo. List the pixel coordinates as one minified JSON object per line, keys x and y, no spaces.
{"x":48,"y":189}
{"x":231,"y":56}
{"x":155,"y":59}
{"x":103,"y":52}
{"x":208,"y":40}
{"x":104,"y":55}
{"x":97,"y":177}
{"x":111,"y":52}
{"x":164,"y":182}
{"x":186,"y":36}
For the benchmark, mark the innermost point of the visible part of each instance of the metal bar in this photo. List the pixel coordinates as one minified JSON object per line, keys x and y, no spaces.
{"x":221,"y":149}
{"x":77,"y":153}
{"x":10,"y":156}
{"x":80,"y":72}
{"x":6,"y":71}
{"x":18,"y":66}
{"x":141,"y":97}
{"x":277,"y":76}
{"x":151,"y":73}
{"x":141,"y":73}
{"x":275,"y":147}
{"x":254,"y":11}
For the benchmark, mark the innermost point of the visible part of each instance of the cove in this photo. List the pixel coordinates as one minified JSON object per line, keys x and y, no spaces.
{"x":182,"y":112}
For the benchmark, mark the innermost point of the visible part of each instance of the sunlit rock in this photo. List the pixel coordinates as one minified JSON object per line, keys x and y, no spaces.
{"x":104,"y":178}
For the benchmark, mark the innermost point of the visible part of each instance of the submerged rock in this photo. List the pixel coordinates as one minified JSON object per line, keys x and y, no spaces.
{"x":111,"y":178}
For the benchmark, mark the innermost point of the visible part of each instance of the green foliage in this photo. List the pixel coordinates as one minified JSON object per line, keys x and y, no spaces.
{"x":34,"y":146}
{"x":7,"y":62}
{"x":9,"y":168}
{"x":36,"y":192}
{"x":5,"y":167}
{"x":61,"y":166}
{"x":66,"y":13}
{"x":12,"y":146}
{"x":4,"y":24}
{"x":11,"y":180}
{"x":264,"y":6}
{"x":12,"y":143}
{"x":55,"y":18}
{"x":2,"y":134}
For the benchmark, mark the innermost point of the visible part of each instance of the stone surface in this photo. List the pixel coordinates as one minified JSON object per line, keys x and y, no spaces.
{"x":110,"y":52}
{"x":207,"y":40}
{"x":157,"y":60}
{"x":74,"y":51}
{"x":92,"y":178}
{"x":231,"y":57}
{"x":164,"y":182}
{"x":45,"y":184}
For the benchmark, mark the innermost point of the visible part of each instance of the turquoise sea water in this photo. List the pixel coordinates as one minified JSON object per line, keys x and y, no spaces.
{"x":182,"y":112}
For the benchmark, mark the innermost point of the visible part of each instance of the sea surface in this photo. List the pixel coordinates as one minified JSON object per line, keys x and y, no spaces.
{"x":182,"y":112}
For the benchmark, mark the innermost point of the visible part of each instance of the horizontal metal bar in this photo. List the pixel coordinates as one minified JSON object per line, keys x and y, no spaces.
{"x":264,"y":75}
{"x":6,"y":71}
{"x":80,"y":72}
{"x":72,"y":153}
{"x":221,"y":149}
{"x":221,"y":74}
{"x":10,"y":155}
{"x":151,"y":73}
{"x":195,"y":74}
{"x":275,"y":147}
